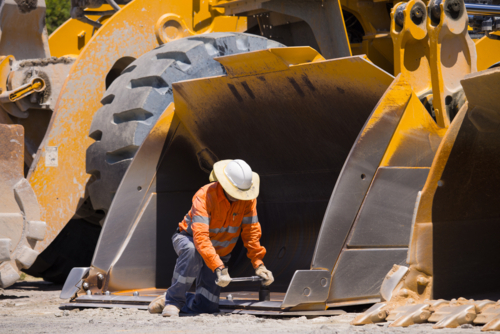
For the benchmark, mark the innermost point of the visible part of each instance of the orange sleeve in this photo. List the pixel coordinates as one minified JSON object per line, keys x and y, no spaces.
{"x":251,"y":233}
{"x":200,"y":212}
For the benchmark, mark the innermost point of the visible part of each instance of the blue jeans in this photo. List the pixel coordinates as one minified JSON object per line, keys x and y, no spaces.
{"x":189,"y":267}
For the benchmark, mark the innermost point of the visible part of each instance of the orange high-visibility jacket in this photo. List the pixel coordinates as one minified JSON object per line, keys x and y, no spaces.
{"x":216,"y":224}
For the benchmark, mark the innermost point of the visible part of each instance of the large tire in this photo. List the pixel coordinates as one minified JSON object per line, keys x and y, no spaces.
{"x":135,"y":100}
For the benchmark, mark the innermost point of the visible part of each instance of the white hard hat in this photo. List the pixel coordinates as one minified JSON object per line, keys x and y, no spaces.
{"x":237,"y":179}
{"x":239,"y":173}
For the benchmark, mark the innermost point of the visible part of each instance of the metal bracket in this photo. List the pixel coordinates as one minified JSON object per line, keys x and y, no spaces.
{"x":307,"y":286}
{"x":36,"y":85}
{"x":73,"y":282}
{"x":391,"y":281}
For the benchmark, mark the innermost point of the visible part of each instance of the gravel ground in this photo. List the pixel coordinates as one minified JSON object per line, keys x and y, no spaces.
{"x":33,"y":307}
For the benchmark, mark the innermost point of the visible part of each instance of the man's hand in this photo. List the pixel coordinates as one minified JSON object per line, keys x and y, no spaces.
{"x":223,"y":278}
{"x":267,"y":275}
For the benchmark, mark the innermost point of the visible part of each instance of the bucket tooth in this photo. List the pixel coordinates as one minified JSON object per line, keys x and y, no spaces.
{"x":374,"y":314}
{"x":405,"y":316}
{"x":453,"y":316}
{"x":493,"y":324}
{"x":488,"y":314}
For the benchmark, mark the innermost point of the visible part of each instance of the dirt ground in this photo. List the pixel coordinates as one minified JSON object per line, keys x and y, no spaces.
{"x":33,"y":307}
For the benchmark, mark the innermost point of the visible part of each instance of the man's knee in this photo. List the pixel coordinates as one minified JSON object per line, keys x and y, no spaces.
{"x":189,"y":251}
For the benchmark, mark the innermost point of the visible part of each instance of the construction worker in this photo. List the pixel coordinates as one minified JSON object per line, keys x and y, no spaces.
{"x":221,"y":211}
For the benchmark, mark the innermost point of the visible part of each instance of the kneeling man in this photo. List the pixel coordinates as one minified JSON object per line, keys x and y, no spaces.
{"x":221,"y":211}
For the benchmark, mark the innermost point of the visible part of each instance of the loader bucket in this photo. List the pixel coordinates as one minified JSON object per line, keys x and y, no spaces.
{"x":452,"y":279}
{"x":465,"y":210}
{"x":307,"y":126}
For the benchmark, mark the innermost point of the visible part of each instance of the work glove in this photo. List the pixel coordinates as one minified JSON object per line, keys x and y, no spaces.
{"x":223,"y":278}
{"x":267,"y":275}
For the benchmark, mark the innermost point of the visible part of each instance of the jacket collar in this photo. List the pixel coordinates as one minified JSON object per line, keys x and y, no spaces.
{"x":221,"y":197}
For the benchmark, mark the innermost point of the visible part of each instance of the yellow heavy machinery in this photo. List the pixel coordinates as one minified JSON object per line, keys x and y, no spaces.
{"x":72,"y":69}
{"x":74,"y":187}
{"x":344,"y":148}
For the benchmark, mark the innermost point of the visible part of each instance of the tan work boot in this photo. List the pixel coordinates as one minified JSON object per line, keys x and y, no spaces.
{"x":170,"y":311}
{"x":157,"y":305}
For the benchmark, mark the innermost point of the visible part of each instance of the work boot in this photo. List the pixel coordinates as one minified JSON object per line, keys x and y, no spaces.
{"x":170,"y":311}
{"x":157,"y":305}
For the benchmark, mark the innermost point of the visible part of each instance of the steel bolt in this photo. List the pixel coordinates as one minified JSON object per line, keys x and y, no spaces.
{"x":100,"y":277}
{"x":454,"y":6}
{"x":399,"y":17}
{"x":418,"y":13}
{"x":85,"y":285}
{"x":107,"y":293}
{"x":136,"y":293}
{"x":229,"y":297}
{"x":89,"y":293}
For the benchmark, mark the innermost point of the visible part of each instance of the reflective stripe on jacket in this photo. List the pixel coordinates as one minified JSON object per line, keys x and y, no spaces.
{"x":216,"y":224}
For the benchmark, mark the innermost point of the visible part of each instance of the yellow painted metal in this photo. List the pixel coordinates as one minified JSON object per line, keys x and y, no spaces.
{"x":375,"y":20}
{"x":36,"y":85}
{"x":276,"y":61}
{"x":128,"y":33}
{"x":72,"y":36}
{"x":417,"y":134}
{"x":250,"y":69}
{"x":170,"y":27}
{"x":5,"y":62}
{"x":270,"y":60}
{"x":411,"y":47}
{"x":394,"y":100}
{"x":488,"y":51}
{"x":452,"y":56}
{"x":379,"y":49}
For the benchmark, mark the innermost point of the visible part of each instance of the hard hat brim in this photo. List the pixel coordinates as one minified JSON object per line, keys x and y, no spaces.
{"x":243,"y":195}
